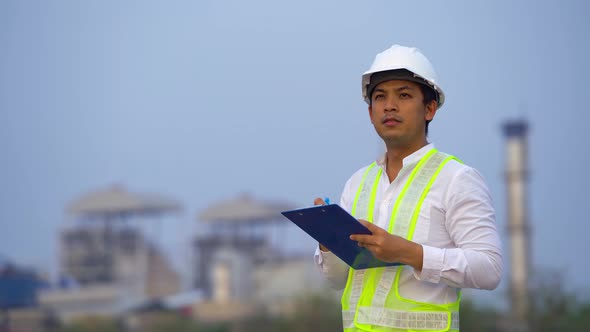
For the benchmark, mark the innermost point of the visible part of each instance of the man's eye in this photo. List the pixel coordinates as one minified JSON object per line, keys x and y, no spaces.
{"x":378,"y":96}
{"x":405,"y":95}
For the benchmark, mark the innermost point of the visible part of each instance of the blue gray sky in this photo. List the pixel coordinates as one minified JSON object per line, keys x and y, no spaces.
{"x":202,"y":100}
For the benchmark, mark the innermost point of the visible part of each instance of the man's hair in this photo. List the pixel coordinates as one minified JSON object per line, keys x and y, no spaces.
{"x":428,"y":95}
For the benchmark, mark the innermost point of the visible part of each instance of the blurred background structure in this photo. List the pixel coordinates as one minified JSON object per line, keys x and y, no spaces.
{"x":242,"y":265}
{"x":107,"y":265}
{"x":19,"y":287}
{"x":518,"y":229}
{"x":204,"y":100}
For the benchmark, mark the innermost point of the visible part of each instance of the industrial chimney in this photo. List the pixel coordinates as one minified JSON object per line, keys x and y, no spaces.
{"x":516,"y":180}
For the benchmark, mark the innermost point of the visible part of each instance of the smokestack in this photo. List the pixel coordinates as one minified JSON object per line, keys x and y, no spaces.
{"x":516,"y":181}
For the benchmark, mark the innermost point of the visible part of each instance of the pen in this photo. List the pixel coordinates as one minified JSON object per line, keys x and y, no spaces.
{"x":327,"y":200}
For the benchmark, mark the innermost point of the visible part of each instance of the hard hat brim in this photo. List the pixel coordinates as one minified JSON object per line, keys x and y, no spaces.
{"x":372,"y":79}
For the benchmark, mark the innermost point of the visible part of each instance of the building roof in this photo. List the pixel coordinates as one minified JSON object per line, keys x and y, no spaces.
{"x":115,"y":200}
{"x":242,"y":209}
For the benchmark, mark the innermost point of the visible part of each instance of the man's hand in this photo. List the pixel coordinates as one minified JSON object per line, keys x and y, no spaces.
{"x":388,"y":247}
{"x":319,"y":201}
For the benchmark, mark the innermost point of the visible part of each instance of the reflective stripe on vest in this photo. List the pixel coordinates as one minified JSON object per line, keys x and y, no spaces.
{"x":415,"y":320}
{"x":367,"y":301}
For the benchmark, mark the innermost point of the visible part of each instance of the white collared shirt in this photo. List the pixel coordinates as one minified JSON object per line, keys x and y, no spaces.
{"x":456,"y":228}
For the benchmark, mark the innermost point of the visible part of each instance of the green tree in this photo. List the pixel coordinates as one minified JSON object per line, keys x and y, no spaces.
{"x":92,"y":324}
{"x":555,"y":309}
{"x":478,"y":318}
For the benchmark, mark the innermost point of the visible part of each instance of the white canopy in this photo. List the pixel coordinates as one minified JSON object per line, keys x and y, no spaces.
{"x":244,"y":208}
{"x":117,"y":200}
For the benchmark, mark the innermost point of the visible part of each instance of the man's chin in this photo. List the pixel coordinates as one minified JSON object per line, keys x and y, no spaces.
{"x":388,"y":136}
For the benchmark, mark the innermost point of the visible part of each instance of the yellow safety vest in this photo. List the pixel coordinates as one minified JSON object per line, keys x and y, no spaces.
{"x":371,"y":300}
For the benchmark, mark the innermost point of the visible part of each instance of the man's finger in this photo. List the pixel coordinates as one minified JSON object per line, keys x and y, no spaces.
{"x":361,"y":238}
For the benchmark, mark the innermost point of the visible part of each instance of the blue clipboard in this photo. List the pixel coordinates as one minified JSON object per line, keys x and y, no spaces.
{"x":332,"y":226}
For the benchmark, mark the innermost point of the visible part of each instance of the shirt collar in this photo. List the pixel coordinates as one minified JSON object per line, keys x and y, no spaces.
{"x":413,"y":158}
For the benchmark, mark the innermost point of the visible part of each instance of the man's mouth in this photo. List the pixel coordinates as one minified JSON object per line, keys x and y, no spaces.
{"x":391,"y":120}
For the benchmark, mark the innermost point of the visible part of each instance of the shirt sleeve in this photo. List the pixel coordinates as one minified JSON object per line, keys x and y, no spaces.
{"x":476,"y":262}
{"x":335,"y":270}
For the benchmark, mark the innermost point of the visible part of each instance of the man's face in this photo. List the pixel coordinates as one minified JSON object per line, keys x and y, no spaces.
{"x":398,"y":113}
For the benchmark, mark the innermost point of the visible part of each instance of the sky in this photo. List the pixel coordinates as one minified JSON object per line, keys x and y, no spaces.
{"x":204,"y":100}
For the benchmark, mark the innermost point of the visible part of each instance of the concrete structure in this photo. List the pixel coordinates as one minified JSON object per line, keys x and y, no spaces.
{"x":239,"y":267}
{"x":278,"y":283}
{"x":236,"y":230}
{"x":519,"y":232}
{"x":215,"y":252}
{"x":107,"y":264}
{"x":274,"y":290}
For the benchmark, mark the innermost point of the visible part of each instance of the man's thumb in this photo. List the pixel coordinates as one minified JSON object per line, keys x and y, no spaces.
{"x":319,"y":201}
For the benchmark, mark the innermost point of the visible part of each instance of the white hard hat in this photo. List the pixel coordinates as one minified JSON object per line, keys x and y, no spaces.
{"x":401,"y":57}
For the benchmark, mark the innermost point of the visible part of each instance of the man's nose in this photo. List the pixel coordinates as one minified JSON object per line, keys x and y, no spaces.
{"x":391,"y":104}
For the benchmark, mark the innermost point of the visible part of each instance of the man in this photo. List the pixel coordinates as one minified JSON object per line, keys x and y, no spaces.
{"x":425,"y":209}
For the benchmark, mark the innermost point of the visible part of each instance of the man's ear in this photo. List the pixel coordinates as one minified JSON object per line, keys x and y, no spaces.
{"x":370,"y":113}
{"x":431,"y":109}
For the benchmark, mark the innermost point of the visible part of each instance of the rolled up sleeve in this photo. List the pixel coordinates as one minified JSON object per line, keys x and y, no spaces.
{"x":476,"y":262}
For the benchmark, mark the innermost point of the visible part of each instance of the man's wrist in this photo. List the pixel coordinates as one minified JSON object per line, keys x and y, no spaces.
{"x":415,"y":256}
